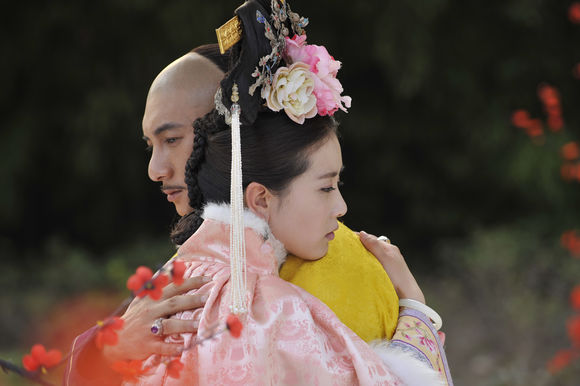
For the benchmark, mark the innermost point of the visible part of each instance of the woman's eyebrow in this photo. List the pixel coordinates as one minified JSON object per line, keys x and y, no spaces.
{"x":331,"y":174}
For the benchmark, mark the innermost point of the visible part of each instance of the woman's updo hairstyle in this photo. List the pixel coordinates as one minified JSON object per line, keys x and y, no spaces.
{"x":244,"y":58}
{"x":274,"y":149}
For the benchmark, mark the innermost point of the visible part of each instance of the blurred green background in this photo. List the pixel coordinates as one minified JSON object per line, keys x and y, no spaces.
{"x":431,"y":158}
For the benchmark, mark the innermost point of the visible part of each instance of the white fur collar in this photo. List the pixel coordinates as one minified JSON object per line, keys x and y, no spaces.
{"x":221,"y":213}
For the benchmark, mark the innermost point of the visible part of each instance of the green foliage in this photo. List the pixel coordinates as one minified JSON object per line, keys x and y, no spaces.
{"x":60,"y":271}
{"x":503,"y":296}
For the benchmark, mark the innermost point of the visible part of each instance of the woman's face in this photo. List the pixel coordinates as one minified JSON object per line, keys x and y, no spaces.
{"x":304,"y":216}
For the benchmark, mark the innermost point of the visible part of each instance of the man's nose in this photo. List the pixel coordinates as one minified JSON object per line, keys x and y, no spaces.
{"x":159,"y":167}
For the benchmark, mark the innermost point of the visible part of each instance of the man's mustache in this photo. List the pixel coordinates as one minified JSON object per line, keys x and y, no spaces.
{"x":172,"y":187}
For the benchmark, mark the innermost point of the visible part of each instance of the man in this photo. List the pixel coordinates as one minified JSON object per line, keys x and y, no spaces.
{"x":180,"y":94}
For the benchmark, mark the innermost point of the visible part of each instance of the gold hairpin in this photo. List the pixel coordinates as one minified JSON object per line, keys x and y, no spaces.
{"x":230,"y":33}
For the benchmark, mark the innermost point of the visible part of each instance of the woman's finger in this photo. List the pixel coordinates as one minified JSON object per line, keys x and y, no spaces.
{"x":394,"y":264}
{"x":372,"y":243}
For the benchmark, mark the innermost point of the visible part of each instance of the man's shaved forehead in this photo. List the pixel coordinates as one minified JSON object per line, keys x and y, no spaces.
{"x":193,"y":75}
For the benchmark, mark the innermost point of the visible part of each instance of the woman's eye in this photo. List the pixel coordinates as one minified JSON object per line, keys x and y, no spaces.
{"x":149,"y":149}
{"x":329,"y":189}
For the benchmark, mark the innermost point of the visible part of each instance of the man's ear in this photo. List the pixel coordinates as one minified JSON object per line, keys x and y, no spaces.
{"x":259,"y":200}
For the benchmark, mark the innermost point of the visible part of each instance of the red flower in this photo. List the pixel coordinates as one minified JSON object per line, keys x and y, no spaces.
{"x":39,"y":358}
{"x":574,"y":13}
{"x":568,"y":172}
{"x":130,"y":369}
{"x":571,"y":242}
{"x":106,"y":333}
{"x":534,"y":128}
{"x":555,"y":122}
{"x":571,"y":151}
{"x":566,"y":238}
{"x":234,"y":325}
{"x":575,"y":297}
{"x":177,"y":271}
{"x":520,"y":118}
{"x":554,"y":110}
{"x":174,"y":368}
{"x":574,"y":330}
{"x":548,"y":95}
{"x":560,"y":360}
{"x":577,"y":174}
{"x":138,"y":280}
{"x":574,"y":247}
{"x":142,"y":283}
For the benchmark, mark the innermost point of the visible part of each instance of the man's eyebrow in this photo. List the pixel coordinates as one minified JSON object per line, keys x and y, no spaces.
{"x":164,"y":127}
{"x":331,"y":174}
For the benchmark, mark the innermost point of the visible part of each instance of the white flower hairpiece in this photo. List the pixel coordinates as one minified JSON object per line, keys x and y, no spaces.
{"x":292,"y":90}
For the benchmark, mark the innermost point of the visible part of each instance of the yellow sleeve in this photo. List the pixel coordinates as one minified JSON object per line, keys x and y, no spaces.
{"x":352,"y":283}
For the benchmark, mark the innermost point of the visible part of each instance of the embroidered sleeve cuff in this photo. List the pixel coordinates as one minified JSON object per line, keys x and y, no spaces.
{"x":416,"y":335}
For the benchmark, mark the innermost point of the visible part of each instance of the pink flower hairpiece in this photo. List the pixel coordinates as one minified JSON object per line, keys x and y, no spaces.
{"x":306,"y":85}
{"x":327,"y":88}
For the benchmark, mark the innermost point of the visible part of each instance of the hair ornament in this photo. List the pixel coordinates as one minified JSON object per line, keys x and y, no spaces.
{"x":304,"y":82}
{"x":295,"y":77}
{"x":238,"y":293}
{"x":220,"y":107}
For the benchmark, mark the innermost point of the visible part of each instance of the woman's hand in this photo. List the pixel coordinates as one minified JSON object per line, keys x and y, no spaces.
{"x":136,"y":341}
{"x":394,"y":264}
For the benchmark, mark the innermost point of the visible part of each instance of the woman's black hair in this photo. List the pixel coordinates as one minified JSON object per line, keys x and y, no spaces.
{"x":275,"y":150}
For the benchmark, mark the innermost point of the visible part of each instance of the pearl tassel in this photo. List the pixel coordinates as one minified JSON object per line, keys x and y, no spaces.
{"x":237,"y":239}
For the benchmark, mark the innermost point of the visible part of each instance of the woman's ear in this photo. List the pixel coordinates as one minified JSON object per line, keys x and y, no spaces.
{"x":259,"y":200}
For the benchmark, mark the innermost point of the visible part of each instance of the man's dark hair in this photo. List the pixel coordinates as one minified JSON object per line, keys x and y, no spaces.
{"x":212,"y":52}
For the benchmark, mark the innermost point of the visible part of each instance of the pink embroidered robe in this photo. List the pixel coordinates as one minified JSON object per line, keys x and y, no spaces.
{"x":289,"y":337}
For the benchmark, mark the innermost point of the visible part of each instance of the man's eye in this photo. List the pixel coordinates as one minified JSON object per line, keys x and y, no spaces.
{"x":329,"y":189}
{"x":171,"y":140}
{"x":149,"y":149}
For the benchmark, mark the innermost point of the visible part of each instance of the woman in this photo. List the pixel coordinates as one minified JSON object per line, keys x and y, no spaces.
{"x":290,"y":178}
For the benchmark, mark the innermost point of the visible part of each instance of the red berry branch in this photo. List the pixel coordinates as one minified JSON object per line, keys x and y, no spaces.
{"x":570,"y":171}
{"x":142,"y":283}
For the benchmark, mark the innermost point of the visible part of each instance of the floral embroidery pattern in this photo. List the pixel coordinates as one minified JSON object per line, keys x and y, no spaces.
{"x":415,"y":333}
